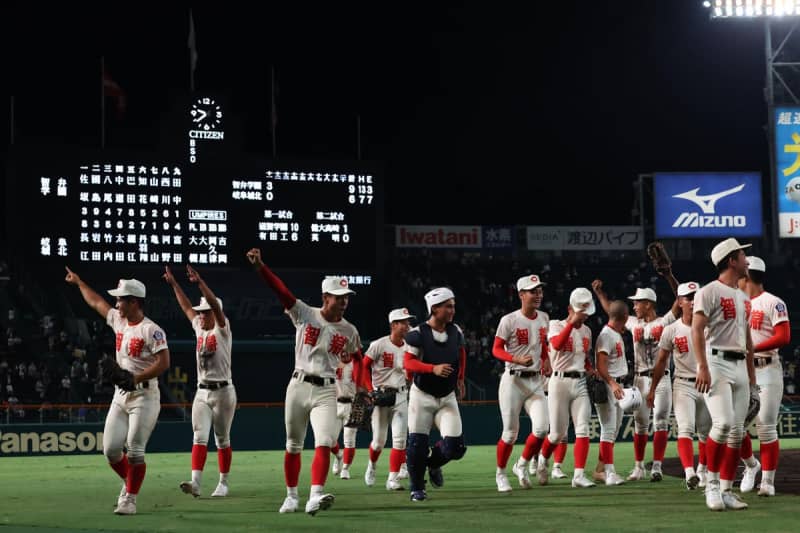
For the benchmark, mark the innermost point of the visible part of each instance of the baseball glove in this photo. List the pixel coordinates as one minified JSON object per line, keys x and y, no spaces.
{"x":360,"y":412}
{"x":117,"y":375}
{"x":659,"y":257}
{"x":754,"y":405}
{"x":598,"y":393}
{"x":384,"y":397}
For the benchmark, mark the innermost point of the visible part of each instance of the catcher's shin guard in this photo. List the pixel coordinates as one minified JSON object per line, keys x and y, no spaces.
{"x":417,"y":460}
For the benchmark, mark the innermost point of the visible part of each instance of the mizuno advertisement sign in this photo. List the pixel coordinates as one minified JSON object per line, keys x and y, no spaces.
{"x":707,"y":204}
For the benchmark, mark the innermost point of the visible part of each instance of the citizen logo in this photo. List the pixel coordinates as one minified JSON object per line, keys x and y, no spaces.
{"x":707,"y":204}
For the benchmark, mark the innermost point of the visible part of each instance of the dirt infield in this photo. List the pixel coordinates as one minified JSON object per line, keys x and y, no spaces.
{"x":787,"y":478}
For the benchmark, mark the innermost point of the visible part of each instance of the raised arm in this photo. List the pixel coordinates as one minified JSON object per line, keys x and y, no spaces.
{"x":597,"y":287}
{"x":210,"y":297}
{"x":275,"y":283}
{"x":658,"y":373}
{"x":183,"y":300}
{"x":95,"y":301}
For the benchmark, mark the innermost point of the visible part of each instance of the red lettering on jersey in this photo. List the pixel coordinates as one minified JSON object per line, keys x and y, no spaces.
{"x":336,"y":347}
{"x":311,"y":335}
{"x":619,"y":350}
{"x":682,"y":343}
{"x":747,"y":308}
{"x":522,"y":336}
{"x":756,"y":320}
{"x":728,"y":308}
{"x":543,"y":336}
{"x":569,"y":346}
{"x":638,"y":334}
{"x":199,"y":347}
{"x":388,"y":360}
{"x":345,"y":357}
{"x":656,"y":332}
{"x":211,"y":343}
{"x":135,"y":346}
{"x":586,"y":344}
{"x":339,"y":373}
{"x":119,"y":341}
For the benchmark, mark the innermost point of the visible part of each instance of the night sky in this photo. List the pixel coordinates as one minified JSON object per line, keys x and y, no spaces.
{"x":537,"y":115}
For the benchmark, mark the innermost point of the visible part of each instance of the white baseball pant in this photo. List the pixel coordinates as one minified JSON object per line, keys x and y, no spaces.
{"x":397,"y":415}
{"x":317,"y":403}
{"x":663,"y":405}
{"x":727,"y":399}
{"x":516,"y":393}
{"x":691,"y":413}
{"x":610,"y":415}
{"x":129,"y":423}
{"x":343,"y":415}
{"x":770,"y":380}
{"x":425,"y":410}
{"x":568,"y":396}
{"x":215,"y":407}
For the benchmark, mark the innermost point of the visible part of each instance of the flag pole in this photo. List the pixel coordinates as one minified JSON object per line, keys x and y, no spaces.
{"x":102,"y":102}
{"x":273,"y":117}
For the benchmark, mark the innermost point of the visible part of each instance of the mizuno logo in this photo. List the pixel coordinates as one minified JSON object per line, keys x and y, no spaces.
{"x":706,"y":202}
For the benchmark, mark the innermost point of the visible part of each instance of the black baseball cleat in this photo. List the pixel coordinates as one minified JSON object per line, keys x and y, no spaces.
{"x":692,"y":482}
{"x":436,"y":477}
{"x":418,"y":496}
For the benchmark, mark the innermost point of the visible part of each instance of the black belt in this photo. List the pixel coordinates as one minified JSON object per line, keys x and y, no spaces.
{"x":314,"y":380}
{"x":649,"y":373}
{"x":524,"y":373}
{"x":762,"y":361}
{"x":142,"y":385}
{"x":620,"y":379}
{"x":344,"y":399}
{"x":213,"y":385}
{"x":686,"y":379}
{"x":573,"y":375}
{"x":728,"y":355}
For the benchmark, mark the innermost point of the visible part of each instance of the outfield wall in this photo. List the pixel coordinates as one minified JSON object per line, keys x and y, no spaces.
{"x":262,"y":429}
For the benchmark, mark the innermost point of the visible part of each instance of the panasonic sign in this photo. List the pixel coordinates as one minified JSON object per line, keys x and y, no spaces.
{"x":707,"y":204}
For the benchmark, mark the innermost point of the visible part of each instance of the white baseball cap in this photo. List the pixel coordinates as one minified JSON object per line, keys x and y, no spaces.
{"x":437,"y":296}
{"x":204,"y":306}
{"x":685,"y":289}
{"x":644,"y":294}
{"x":129,"y":287}
{"x":581,"y":300}
{"x":756,"y":263}
{"x":724,"y":248}
{"x":631,"y":400}
{"x":336,"y":285}
{"x":529,"y":282}
{"x":399,"y":314}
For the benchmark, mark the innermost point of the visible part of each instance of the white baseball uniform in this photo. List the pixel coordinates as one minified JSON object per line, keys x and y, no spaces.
{"x":567,"y":393}
{"x":691,"y":413}
{"x":311,"y":393}
{"x":522,"y":386}
{"x":646,"y":336}
{"x":610,"y":342}
{"x":728,"y":313}
{"x":133,"y":415}
{"x":345,"y":392}
{"x":767,"y":312}
{"x":388,"y":373}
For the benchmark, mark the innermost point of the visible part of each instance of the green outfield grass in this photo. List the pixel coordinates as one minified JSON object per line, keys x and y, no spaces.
{"x":78,"y":493}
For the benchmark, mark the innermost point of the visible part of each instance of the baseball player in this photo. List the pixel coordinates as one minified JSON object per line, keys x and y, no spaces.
{"x":345,"y":393}
{"x":383,"y":372}
{"x":646,"y":328}
{"x":521,"y":342}
{"x":324,"y":338}
{"x":215,"y":399}
{"x":141,"y":349}
{"x":770,"y":331}
{"x":691,"y":413}
{"x":436,"y":357}
{"x":612,"y":367}
{"x":558,"y":459}
{"x":571,"y":341}
{"x":724,"y":368}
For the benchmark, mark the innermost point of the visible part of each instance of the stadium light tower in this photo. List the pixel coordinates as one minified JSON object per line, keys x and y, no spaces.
{"x":781,"y":17}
